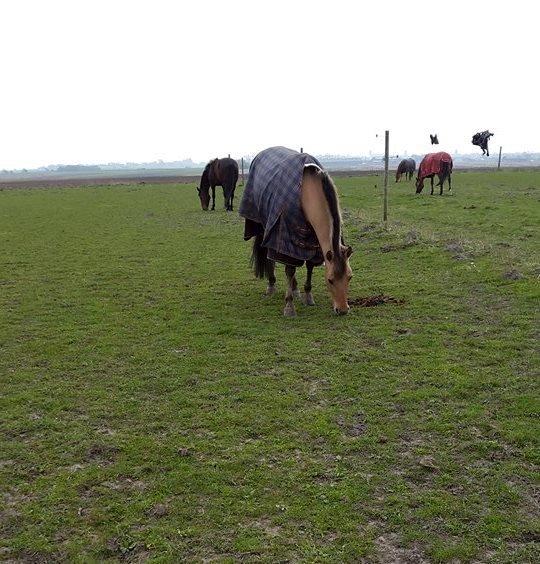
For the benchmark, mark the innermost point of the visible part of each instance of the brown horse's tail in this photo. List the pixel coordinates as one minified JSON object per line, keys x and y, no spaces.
{"x":259,"y":258}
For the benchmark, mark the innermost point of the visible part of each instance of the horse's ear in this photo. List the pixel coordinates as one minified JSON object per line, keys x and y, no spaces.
{"x":329,"y":256}
{"x":348,"y":251}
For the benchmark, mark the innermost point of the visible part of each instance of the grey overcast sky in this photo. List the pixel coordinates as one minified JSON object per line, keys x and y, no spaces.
{"x":100,"y":81}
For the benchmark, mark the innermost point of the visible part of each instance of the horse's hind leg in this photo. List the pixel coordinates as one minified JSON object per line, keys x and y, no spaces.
{"x":271,"y":289}
{"x":450,"y":182}
{"x":213,"y":198}
{"x":292,"y":287}
{"x":225,"y":198}
{"x":228,"y":196}
{"x":308,"y":296}
{"x":432,"y":185}
{"x":440,"y":183}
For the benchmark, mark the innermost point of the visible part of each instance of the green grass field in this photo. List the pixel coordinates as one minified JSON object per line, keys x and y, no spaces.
{"x":155,"y":406}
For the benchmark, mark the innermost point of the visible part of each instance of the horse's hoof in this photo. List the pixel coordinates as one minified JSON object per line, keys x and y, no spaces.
{"x":270,"y":291}
{"x":308,"y":300}
{"x":289,"y":311}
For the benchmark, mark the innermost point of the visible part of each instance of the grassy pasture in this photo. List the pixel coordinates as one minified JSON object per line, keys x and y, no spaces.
{"x":153,"y":405}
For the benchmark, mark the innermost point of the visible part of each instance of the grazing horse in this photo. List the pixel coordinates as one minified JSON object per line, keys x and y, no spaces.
{"x":432,"y":164}
{"x":291,"y":208}
{"x":406,"y":167}
{"x":218,"y":172}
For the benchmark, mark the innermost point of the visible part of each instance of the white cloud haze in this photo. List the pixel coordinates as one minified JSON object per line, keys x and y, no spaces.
{"x":100,"y":81}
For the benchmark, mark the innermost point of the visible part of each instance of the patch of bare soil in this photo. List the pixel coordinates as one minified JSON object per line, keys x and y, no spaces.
{"x":390,"y":551}
{"x":34,"y":557}
{"x":458,"y":251}
{"x":411,"y":238}
{"x":158,"y":510}
{"x":267,"y":527}
{"x":355,"y":427}
{"x":371,"y":301}
{"x":124,"y":483}
{"x":513,"y":274}
{"x":135,"y":552}
{"x":102,"y":454}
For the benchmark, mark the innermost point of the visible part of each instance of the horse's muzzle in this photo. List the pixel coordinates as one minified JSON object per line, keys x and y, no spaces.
{"x":338,"y":311}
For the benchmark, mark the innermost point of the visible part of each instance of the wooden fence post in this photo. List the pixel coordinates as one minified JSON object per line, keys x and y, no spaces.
{"x":301,"y":149}
{"x":500,"y":153}
{"x":386,"y":159}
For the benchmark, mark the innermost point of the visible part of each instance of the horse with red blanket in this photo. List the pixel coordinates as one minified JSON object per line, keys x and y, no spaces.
{"x":432,"y":164}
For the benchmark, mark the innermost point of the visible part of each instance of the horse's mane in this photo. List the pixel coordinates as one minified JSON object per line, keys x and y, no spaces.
{"x":206,"y":171}
{"x":209,"y":165}
{"x":331,"y":195}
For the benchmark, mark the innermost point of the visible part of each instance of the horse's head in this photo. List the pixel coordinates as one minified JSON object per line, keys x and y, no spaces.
{"x":338,"y":276}
{"x":204,"y":189}
{"x":419,"y":184}
{"x":204,"y":196}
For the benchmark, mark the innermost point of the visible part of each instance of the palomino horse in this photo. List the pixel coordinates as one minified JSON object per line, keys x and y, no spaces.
{"x":406,"y":167}
{"x":291,"y":207}
{"x":218,"y":172}
{"x":432,"y":164}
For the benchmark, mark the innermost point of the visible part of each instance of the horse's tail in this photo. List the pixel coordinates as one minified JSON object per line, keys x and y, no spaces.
{"x":446,"y":170}
{"x":259,"y":257}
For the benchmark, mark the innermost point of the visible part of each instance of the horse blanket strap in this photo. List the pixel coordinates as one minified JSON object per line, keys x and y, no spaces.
{"x":271,"y":205}
{"x":431,"y":164}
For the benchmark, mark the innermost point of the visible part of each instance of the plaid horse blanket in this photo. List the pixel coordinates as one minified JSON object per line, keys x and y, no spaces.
{"x":431,"y":164}
{"x":271,"y":206}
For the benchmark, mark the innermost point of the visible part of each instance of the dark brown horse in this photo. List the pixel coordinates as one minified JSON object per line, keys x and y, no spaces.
{"x":218,"y":172}
{"x":406,"y":167}
{"x":432,"y":164}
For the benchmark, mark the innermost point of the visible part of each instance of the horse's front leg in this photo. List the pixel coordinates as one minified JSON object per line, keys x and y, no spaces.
{"x":292,"y":288}
{"x":271,"y":289}
{"x":308,"y":296}
{"x":213,"y":197}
